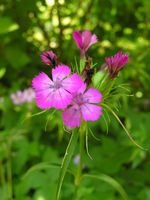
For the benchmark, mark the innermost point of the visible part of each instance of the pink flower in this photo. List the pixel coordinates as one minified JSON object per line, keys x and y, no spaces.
{"x":17,"y":97}
{"x":57,"y":92}
{"x":116,"y":63}
{"x":25,"y":96}
{"x":83,"y":107}
{"x":84,"y":40}
{"x":49,"y":58}
{"x":28,"y":95}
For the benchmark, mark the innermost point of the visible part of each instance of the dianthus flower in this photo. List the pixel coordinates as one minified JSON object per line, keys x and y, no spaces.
{"x":83,"y":107}
{"x":28,"y":95}
{"x":116,"y":63}
{"x":25,"y":96}
{"x":57,"y":92}
{"x":84,"y":40}
{"x":17,"y":97}
{"x":49,"y":58}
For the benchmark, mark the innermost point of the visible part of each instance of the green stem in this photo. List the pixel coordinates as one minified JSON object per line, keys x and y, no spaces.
{"x":81,"y":151}
{"x":2,"y":177}
{"x":66,"y":160}
{"x":80,"y":165}
{"x":78,"y":176}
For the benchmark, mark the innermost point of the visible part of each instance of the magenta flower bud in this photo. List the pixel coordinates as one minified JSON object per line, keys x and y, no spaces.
{"x":116,"y":63}
{"x":49,"y":58}
{"x":84,"y":40}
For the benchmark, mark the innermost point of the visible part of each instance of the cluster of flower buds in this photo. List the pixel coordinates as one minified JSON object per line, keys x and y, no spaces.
{"x":25,"y":96}
{"x":116,"y":63}
{"x":72,"y":92}
{"x":49,"y":58}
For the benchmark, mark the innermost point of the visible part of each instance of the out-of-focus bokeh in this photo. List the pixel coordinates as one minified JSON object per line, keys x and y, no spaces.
{"x":28,"y":27}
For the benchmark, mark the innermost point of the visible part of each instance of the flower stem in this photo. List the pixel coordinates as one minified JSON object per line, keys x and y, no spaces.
{"x":80,"y":165}
{"x":66,"y":160}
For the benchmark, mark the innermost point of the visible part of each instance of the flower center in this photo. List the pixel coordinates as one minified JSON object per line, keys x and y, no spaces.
{"x":79,"y":99}
{"x":57,"y":84}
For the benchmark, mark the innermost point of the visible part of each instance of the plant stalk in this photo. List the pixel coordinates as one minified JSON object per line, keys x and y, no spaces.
{"x":81,"y":152}
{"x":66,"y":160}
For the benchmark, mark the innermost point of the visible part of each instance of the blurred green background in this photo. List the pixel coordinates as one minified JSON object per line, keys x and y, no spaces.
{"x":28,"y":27}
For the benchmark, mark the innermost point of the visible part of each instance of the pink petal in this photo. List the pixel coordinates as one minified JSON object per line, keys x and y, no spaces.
{"x":72,"y":117}
{"x":72,"y":83}
{"x":82,"y":88}
{"x":60,"y":72}
{"x":61,"y":98}
{"x":42,"y":85}
{"x":41,"y":82}
{"x":92,"y":95}
{"x":78,"y":39}
{"x":43,"y":99}
{"x":109,"y":61}
{"x":86,"y":39}
{"x":93,"y":39}
{"x":91,"y":112}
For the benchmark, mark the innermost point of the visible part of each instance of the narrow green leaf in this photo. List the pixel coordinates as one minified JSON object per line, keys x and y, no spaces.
{"x":86,"y":144}
{"x":108,"y":117}
{"x":103,"y":116}
{"x":96,"y":138}
{"x":76,"y":66}
{"x":110,"y":181}
{"x":126,"y":131}
{"x":66,"y":160}
{"x":36,"y":114}
{"x":67,"y":131}
{"x":43,"y":165}
{"x":39,"y":113}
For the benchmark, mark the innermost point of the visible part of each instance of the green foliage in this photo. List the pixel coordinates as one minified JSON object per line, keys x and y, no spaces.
{"x":31,"y":148}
